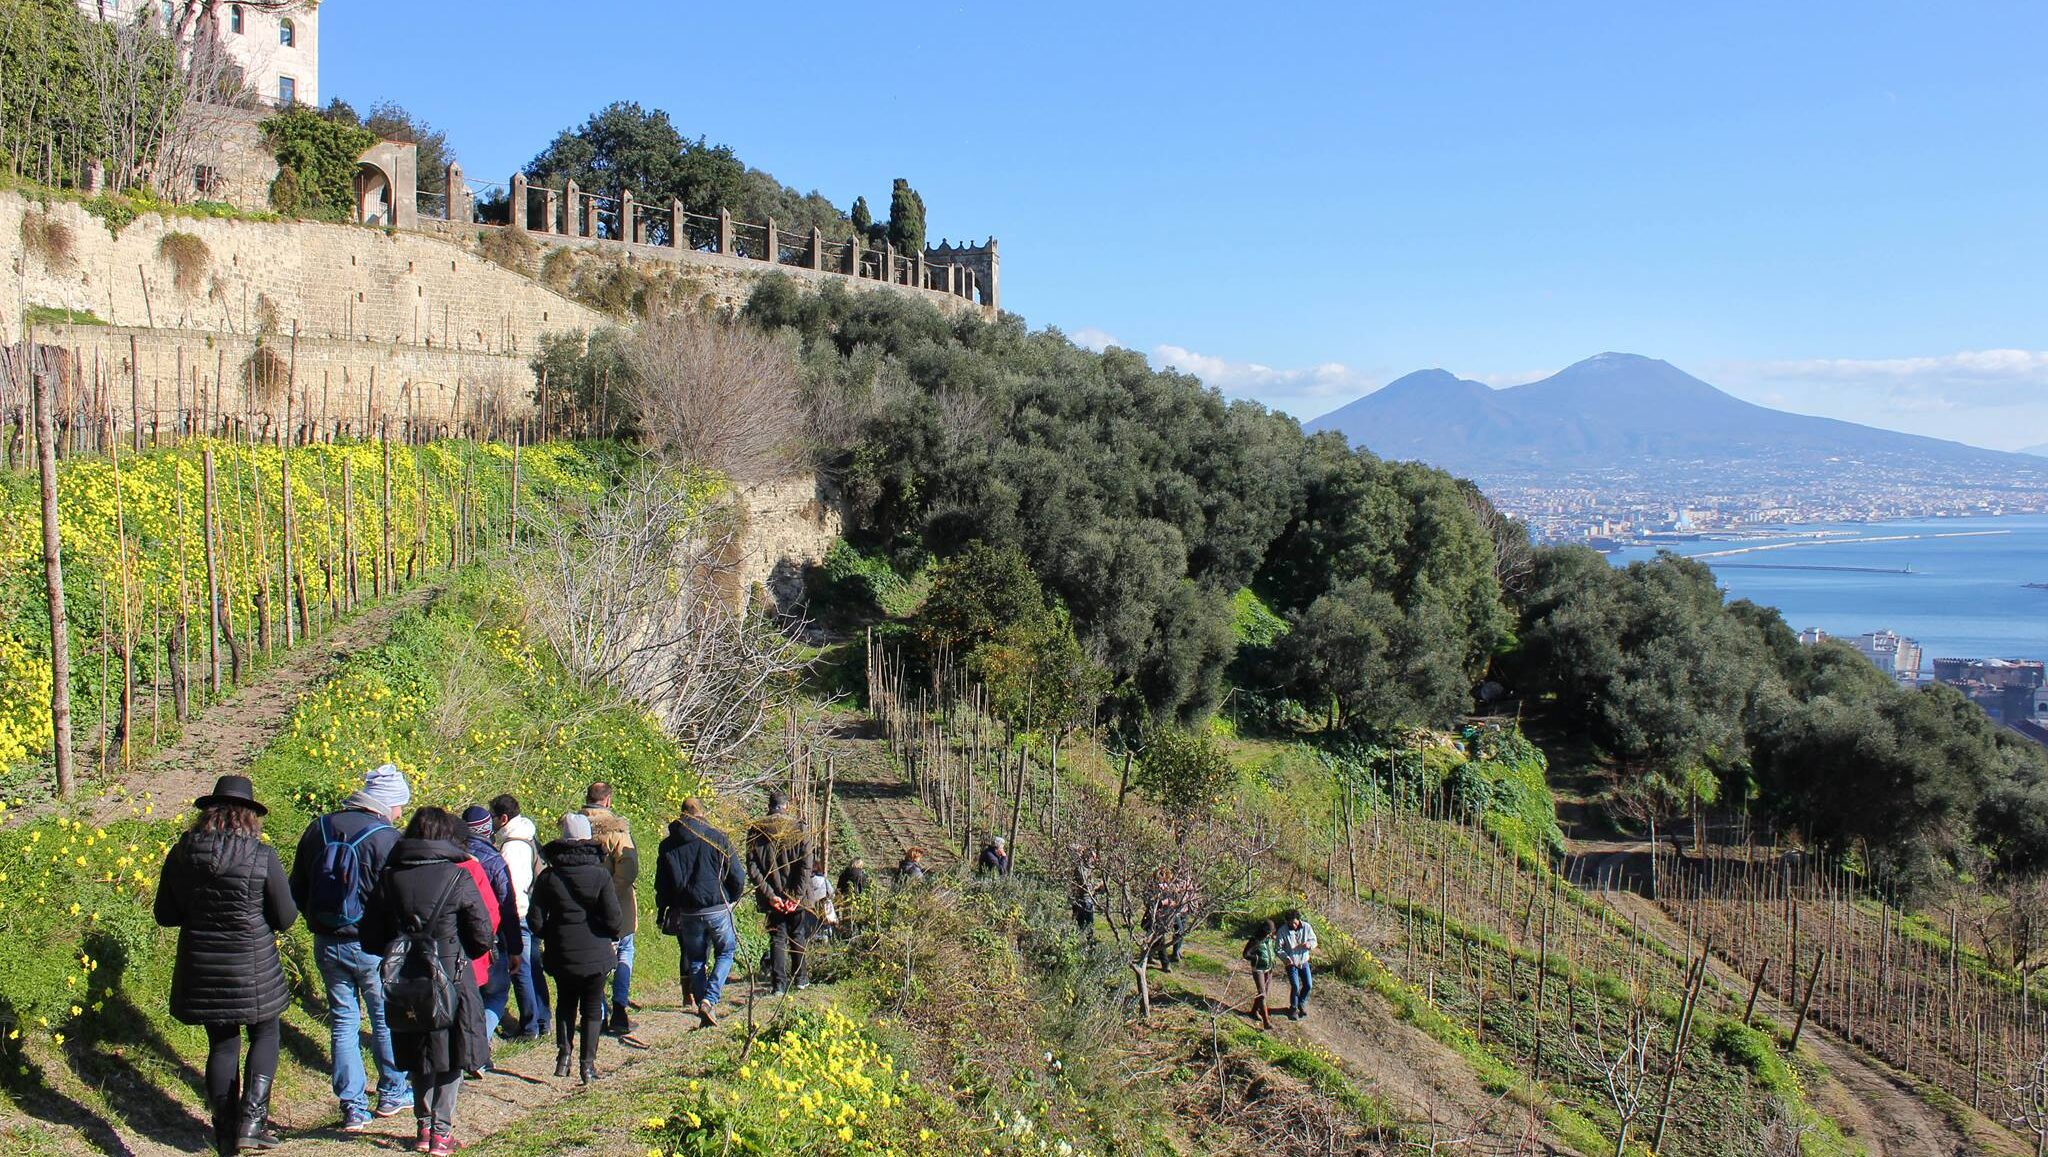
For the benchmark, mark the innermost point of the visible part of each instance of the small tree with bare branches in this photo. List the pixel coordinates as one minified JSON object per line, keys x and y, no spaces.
{"x":717,"y":393}
{"x":1623,"y":1065}
{"x":640,"y":593}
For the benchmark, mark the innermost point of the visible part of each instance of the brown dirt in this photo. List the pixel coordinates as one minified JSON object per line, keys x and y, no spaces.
{"x":1426,"y":1082}
{"x":226,"y":737}
{"x":884,"y":812}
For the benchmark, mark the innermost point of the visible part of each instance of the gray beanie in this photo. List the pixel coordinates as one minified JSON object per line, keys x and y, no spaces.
{"x":575,"y":826}
{"x":384,"y":789}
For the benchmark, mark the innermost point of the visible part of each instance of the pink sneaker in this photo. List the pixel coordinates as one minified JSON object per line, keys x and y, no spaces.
{"x":423,"y":1137}
{"x":443,"y":1145}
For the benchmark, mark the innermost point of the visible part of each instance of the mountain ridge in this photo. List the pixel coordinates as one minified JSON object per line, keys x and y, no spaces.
{"x":1620,"y":411}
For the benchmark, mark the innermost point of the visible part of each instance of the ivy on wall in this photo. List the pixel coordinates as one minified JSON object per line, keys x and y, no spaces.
{"x":316,"y":163}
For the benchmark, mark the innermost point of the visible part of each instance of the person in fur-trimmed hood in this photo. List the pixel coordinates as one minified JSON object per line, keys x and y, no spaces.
{"x":778,"y":864}
{"x":610,"y":832}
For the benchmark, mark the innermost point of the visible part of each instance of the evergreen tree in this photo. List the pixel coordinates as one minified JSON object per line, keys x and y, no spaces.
{"x":906,"y":218}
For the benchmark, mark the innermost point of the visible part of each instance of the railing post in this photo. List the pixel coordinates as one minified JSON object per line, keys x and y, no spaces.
{"x":953,"y":280}
{"x":677,"y":224}
{"x":517,"y":217}
{"x":852,"y":256}
{"x":458,"y":196}
{"x":922,"y":283}
{"x":889,"y":262}
{"x":629,"y":229}
{"x":547,"y":221}
{"x":774,"y":254}
{"x":725,"y":232}
{"x":572,"y":210}
{"x":817,"y":248}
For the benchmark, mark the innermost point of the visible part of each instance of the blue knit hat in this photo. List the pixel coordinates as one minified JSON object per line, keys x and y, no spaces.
{"x":478,"y":819}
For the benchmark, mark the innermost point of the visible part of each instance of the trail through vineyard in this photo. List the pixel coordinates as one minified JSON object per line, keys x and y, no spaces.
{"x":1872,"y":1103}
{"x":225,"y":738}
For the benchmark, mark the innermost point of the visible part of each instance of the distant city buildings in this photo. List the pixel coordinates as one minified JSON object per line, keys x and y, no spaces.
{"x":1897,"y":657}
{"x":2009,"y":690}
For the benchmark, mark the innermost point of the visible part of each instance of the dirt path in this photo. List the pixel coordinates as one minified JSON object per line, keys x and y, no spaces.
{"x":871,"y":797}
{"x":227,"y":736}
{"x":1425,"y":1081}
{"x":1872,"y":1103}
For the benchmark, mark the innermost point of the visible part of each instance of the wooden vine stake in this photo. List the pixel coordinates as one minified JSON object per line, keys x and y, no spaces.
{"x":213,"y":603}
{"x":124,"y":648}
{"x":53,"y":574}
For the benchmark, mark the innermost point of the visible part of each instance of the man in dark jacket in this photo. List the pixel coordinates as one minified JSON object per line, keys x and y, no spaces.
{"x":334,"y":876}
{"x":610,"y":832}
{"x":778,"y":860}
{"x":697,"y":880}
{"x":505,"y":956}
{"x":995,"y":858}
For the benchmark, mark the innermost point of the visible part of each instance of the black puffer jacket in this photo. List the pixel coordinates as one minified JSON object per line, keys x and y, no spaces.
{"x":416,"y":878}
{"x":227,"y":896}
{"x":575,"y":910}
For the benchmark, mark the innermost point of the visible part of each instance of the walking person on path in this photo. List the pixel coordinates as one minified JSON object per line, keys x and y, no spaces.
{"x":516,"y":841}
{"x":777,"y":862}
{"x":1261,"y":955}
{"x":1294,"y":943}
{"x":1164,"y":923}
{"x":910,"y":869}
{"x":334,"y":874}
{"x":428,"y":908}
{"x":576,"y":912}
{"x":622,"y":860}
{"x":994,"y":859}
{"x":225,"y":892}
{"x":1082,"y":890}
{"x":697,"y":880}
{"x":496,"y":887}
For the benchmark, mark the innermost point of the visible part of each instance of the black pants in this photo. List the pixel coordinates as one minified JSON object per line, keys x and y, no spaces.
{"x":785,"y":940}
{"x":433,"y":1099}
{"x":579,"y":998}
{"x":223,"y":1056}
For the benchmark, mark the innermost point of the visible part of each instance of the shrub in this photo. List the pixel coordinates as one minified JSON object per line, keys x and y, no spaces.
{"x":47,"y":238}
{"x":59,"y":315}
{"x":316,"y":159}
{"x":1753,"y":1050}
{"x":508,"y":248}
{"x":188,"y":257}
{"x":116,"y":213}
{"x":264,"y":374}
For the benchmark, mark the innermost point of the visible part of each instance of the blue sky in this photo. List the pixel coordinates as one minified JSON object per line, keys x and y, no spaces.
{"x":1834,"y":208}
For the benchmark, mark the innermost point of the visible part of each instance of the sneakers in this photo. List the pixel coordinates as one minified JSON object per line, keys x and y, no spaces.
{"x":442,"y":1144}
{"x":705,"y":1017}
{"x":354,"y":1120}
{"x":423,"y":1135}
{"x":392,"y":1108}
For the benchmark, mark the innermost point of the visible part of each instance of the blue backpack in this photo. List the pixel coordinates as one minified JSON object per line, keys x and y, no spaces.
{"x":335,"y":900}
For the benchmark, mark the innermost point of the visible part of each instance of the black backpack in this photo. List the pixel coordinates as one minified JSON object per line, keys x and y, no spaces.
{"x":419,"y":995}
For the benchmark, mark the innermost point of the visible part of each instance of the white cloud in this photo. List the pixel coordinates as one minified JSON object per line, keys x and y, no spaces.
{"x":1088,"y":337}
{"x":1991,"y":397}
{"x":1305,"y":392}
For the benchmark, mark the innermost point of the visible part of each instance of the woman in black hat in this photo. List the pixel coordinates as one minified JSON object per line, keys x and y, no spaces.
{"x":224,"y":891}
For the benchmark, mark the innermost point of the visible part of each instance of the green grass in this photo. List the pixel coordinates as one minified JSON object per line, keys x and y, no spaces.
{"x":58,"y":315}
{"x":1321,"y":1074}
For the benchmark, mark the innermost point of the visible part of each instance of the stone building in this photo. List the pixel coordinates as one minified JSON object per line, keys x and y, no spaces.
{"x":276,"y":45}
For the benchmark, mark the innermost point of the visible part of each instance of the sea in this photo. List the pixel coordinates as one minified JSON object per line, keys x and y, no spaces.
{"x":1957,"y":585}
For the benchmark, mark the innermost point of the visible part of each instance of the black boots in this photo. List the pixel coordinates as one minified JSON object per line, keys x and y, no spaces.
{"x":620,"y":1023}
{"x":254,"y":1132}
{"x":590,"y":1073}
{"x":562,"y":1063}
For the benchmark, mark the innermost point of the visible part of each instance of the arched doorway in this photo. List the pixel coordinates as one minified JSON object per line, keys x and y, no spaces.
{"x":373,"y":195}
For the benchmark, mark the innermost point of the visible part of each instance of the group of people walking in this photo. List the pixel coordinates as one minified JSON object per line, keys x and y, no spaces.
{"x":430,"y":933}
{"x":427,"y":932}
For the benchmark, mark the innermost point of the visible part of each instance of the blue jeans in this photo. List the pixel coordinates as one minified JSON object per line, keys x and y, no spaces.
{"x":622,"y":976}
{"x":353,"y":988}
{"x":1299,"y":981}
{"x":530,"y":986}
{"x":497,"y":993}
{"x":708,"y":945}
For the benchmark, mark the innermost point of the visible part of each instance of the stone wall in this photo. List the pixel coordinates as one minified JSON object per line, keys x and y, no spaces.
{"x":429,"y":316}
{"x":791,"y":524}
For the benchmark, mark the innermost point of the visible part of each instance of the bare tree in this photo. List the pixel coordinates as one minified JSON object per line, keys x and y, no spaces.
{"x":2030,"y":1104}
{"x":640,"y":593}
{"x":717,"y":392}
{"x":1623,"y":1066}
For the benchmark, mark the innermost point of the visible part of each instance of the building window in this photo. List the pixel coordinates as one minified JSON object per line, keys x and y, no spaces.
{"x":206,"y":179}
{"x":235,"y":19}
{"x":286,"y":34}
{"x":287,"y":90}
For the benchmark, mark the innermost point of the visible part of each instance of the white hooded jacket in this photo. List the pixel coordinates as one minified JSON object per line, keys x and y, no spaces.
{"x":521,"y":850}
